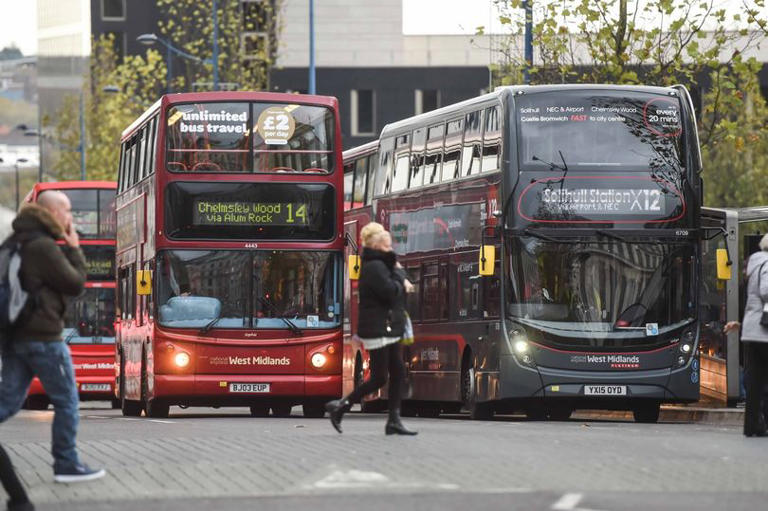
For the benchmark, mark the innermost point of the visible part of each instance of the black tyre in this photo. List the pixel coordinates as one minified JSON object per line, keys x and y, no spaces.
{"x":281,"y":410}
{"x":37,"y":403}
{"x":560,"y":413}
{"x":313,"y":410}
{"x":536,"y":413}
{"x":477,"y":410}
{"x":260,"y":411}
{"x":647,"y":413}
{"x":154,"y":408}
{"x":116,"y":404}
{"x":128,"y":407}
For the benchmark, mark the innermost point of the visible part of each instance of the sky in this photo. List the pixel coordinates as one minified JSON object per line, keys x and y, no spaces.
{"x":18,"y":22}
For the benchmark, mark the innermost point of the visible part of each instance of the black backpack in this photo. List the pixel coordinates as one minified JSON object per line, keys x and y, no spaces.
{"x":14,"y":299}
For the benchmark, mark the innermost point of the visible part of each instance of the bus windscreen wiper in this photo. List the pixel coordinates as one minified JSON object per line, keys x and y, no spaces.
{"x":70,"y":335}
{"x":552,"y":166}
{"x":268,"y":303}
{"x":210,"y":325}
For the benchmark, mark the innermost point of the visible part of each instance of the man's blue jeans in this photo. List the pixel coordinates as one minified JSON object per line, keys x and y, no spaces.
{"x":52,"y":363}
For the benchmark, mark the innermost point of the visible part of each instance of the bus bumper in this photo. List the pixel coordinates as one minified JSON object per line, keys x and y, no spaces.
{"x":215,"y":389}
{"x":89,"y":388}
{"x":665,"y":385}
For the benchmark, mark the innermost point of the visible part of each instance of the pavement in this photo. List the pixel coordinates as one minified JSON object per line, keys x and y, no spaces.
{"x":224,"y":459}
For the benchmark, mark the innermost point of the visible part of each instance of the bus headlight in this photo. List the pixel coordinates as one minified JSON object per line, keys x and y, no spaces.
{"x":521,"y":348}
{"x":687,"y":341}
{"x":318,"y":360}
{"x":181,"y":359}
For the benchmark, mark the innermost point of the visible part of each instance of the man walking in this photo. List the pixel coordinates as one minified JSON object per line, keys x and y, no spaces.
{"x":49,"y":272}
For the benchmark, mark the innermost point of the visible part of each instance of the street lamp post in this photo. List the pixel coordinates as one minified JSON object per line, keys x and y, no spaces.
{"x":528,"y":6}
{"x":312,"y":46}
{"x":150,"y":39}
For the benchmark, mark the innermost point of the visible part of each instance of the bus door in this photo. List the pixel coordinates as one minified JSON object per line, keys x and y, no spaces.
{"x":434,"y":356}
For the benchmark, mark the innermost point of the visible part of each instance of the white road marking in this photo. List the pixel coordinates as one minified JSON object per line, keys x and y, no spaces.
{"x":568,"y":502}
{"x":351,"y":479}
{"x":161,"y":422}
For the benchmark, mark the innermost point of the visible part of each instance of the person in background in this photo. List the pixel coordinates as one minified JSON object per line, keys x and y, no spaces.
{"x":755,"y":338}
{"x":382,"y":287}
{"x":49,"y":272}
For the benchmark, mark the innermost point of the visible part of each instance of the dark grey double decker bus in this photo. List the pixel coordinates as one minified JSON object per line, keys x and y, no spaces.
{"x":552,"y":234}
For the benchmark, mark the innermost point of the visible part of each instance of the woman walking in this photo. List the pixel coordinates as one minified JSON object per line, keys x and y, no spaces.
{"x":382,"y":287}
{"x":754,"y":335}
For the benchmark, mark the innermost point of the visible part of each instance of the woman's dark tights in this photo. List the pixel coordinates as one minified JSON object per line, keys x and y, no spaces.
{"x":384,"y":361}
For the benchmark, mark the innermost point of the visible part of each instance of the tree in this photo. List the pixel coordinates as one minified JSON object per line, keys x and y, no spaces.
{"x":138,"y":81}
{"x":657,"y":42}
{"x":245,"y":58}
{"x":247,"y":40}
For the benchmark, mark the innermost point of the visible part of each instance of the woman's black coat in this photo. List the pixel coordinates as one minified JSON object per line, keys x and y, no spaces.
{"x":382,"y":296}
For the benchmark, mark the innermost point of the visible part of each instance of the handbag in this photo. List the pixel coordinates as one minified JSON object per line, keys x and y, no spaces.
{"x":764,"y":315}
{"x":407,"y":338}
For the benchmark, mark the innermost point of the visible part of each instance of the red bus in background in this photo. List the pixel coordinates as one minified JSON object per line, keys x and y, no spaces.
{"x":89,"y":323}
{"x":229,"y":254}
{"x":359,"y":167}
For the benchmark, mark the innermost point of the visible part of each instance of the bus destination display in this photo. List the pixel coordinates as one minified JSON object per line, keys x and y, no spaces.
{"x":243,"y":213}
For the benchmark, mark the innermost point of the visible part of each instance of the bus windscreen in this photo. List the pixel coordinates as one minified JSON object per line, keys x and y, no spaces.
{"x":600,"y":130}
{"x":250,"y":137}
{"x":93,"y":212}
{"x":286,"y":211}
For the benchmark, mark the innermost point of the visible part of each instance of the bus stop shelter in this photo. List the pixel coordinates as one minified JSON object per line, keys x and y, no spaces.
{"x":722,"y":301}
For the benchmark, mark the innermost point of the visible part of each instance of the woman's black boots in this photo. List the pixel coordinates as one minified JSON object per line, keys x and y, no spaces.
{"x":395,"y":425}
{"x":336,"y":409}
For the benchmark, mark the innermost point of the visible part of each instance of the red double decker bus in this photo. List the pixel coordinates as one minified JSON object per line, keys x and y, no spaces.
{"x":229,"y":254}
{"x":89,"y":322}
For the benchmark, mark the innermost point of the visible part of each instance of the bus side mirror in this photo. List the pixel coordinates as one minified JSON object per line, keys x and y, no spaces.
{"x":487,"y":260}
{"x":354,"y":267}
{"x":723,"y":264}
{"x":143,"y":282}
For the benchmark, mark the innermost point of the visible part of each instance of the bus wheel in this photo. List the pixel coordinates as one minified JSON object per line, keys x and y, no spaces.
{"x":37,"y":403}
{"x":259,"y":411}
{"x":128,"y":407}
{"x":477,"y":411}
{"x":152,"y":407}
{"x":116,"y":404}
{"x":536,"y":413}
{"x":560,"y":413}
{"x":281,"y":410}
{"x":647,"y":413}
{"x":313,"y":410}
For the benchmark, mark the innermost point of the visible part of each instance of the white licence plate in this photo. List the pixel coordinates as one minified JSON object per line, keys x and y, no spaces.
{"x":95,"y":387}
{"x":249,"y":387}
{"x":605,"y":390}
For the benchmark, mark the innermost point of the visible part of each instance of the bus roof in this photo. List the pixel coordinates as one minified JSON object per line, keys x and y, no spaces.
{"x":361,"y":150}
{"x":224,"y":96}
{"x":449,"y":111}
